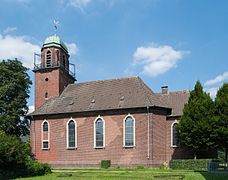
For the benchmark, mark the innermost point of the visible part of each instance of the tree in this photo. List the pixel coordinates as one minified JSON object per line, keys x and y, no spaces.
{"x":14,"y":91}
{"x":196,"y":124}
{"x":16,"y":159}
{"x":221,"y":130}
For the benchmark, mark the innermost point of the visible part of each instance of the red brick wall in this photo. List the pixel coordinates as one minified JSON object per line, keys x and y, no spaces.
{"x":158,"y":137}
{"x":64,"y":80}
{"x":57,"y":81}
{"x":85,"y":154}
{"x":41,"y":86}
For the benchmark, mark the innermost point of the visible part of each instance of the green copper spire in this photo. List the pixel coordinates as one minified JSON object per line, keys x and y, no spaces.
{"x":54,"y":41}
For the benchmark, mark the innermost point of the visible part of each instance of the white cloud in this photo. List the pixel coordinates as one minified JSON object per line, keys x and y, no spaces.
{"x":9,"y":30}
{"x":213,"y":85}
{"x":80,"y":4}
{"x":31,"y":109}
{"x":72,"y":47}
{"x":157,"y":60}
{"x":12,"y":47}
{"x":218,"y":79}
{"x":212,"y":91}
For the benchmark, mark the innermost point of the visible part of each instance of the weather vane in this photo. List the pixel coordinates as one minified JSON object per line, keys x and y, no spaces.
{"x":56,"y":24}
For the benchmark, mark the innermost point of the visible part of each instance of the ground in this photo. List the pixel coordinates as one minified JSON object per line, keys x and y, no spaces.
{"x":122,"y":174}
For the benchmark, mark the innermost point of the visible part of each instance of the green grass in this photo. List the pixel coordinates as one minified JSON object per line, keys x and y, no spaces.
{"x":123,"y":169}
{"x":130,"y":173}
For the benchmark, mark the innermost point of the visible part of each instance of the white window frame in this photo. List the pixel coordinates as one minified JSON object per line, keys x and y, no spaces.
{"x":134,"y":141}
{"x":94,"y":134}
{"x":175,"y":122}
{"x":67,"y":134}
{"x":42,"y":136}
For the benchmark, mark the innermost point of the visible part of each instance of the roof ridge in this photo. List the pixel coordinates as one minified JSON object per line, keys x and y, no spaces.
{"x":105,"y":80}
{"x":141,"y":82}
{"x":178,"y":91}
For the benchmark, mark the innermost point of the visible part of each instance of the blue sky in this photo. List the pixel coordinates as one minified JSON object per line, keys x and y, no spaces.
{"x":165,"y":42}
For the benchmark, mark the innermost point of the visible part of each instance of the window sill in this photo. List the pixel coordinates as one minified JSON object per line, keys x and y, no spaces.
{"x":71,"y":148}
{"x":99,"y":147}
{"x":45,"y":149}
{"x":174,"y":146}
{"x":129,"y":147}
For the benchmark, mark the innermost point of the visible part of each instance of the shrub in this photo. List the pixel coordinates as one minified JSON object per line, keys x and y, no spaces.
{"x":190,"y":164}
{"x":140,"y":167}
{"x":34,"y":168}
{"x":221,"y":155}
{"x":105,"y":163}
{"x":13,"y":152}
{"x":16,"y":159}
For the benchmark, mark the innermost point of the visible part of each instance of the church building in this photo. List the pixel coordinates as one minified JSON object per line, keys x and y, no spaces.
{"x":80,"y":124}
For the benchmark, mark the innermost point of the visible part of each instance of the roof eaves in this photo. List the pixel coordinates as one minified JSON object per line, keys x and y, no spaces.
{"x":85,"y":111}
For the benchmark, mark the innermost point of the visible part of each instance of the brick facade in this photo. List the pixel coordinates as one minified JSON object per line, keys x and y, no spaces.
{"x":85,"y":155}
{"x":51,"y":81}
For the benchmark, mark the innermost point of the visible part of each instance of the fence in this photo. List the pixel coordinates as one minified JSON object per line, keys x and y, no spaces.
{"x":218,"y":167}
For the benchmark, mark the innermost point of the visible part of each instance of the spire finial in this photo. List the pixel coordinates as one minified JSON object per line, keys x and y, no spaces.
{"x":56,"y":24}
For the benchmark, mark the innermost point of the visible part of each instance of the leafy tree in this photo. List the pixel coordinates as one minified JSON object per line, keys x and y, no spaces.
{"x":14,"y":91}
{"x":196,"y":125}
{"x":221,"y":130}
{"x":16,"y":159}
{"x":12,"y":151}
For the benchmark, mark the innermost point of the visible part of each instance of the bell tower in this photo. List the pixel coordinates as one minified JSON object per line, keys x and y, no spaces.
{"x":53,"y":72}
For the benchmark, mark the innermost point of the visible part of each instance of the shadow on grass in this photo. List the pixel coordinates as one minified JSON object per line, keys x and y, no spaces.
{"x":6,"y":174}
{"x":215,"y":175}
{"x":13,"y":174}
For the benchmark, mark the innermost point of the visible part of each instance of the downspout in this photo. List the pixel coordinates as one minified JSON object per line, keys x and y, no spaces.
{"x":148,"y":133}
{"x":34,"y":135}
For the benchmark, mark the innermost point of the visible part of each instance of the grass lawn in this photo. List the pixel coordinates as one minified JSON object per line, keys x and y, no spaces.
{"x":135,"y":174}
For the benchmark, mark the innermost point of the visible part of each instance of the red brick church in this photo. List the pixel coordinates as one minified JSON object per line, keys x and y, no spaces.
{"x":80,"y":124}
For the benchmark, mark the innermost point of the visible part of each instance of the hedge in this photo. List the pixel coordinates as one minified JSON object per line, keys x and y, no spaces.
{"x":105,"y":163}
{"x":190,"y":164}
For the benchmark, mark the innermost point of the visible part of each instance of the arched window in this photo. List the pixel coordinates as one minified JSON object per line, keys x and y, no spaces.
{"x":99,"y":133}
{"x":64,"y":61}
{"x":45,"y":126}
{"x":57,"y":55}
{"x":48,"y":59}
{"x":46,"y":95}
{"x":71,"y":134}
{"x":174,"y":137}
{"x":129,"y":131}
{"x":45,"y":132}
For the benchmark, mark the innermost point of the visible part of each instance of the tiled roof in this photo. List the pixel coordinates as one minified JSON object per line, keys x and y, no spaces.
{"x":176,"y":100}
{"x":119,"y":93}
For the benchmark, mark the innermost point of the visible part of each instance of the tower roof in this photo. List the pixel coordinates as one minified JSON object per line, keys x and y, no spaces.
{"x":54,"y":40}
